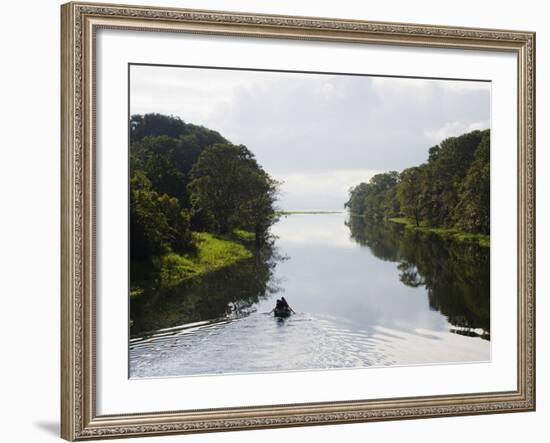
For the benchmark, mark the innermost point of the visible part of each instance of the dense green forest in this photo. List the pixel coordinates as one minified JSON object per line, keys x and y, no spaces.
{"x":197,"y":201}
{"x":447,"y":194}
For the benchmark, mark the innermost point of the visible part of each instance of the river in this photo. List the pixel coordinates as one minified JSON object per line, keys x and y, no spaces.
{"x":364,"y":294}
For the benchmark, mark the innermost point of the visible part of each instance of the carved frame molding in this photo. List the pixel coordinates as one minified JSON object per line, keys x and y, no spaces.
{"x":80,"y":21}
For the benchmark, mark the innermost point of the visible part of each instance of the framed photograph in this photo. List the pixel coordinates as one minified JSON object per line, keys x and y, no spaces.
{"x":277,"y":221}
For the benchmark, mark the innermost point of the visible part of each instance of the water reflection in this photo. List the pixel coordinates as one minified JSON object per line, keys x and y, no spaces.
{"x":456,"y":275}
{"x":364,"y":295}
{"x":229,"y":292}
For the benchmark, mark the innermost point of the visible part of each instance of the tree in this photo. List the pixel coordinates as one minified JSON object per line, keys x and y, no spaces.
{"x":356,"y":201}
{"x":142,"y":126}
{"x":156,"y":157}
{"x":447,"y":166}
{"x":230,"y":189}
{"x":165,"y":148}
{"x":450,"y":190}
{"x":146,"y":233}
{"x":376,"y":199}
{"x":157,"y":222}
{"x":410,"y":192}
{"x":257,"y":213}
{"x":472,"y":212}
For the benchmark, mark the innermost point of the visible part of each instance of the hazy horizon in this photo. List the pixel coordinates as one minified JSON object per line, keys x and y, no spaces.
{"x":319,"y":134}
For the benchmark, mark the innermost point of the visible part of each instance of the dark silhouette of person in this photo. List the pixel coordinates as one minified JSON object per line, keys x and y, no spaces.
{"x":279,"y":304}
{"x":284,"y":303}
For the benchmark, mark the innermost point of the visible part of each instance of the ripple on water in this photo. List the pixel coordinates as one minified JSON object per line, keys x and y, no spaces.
{"x":263,"y":343}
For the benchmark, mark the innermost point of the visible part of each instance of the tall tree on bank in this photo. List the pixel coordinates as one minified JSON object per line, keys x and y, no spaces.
{"x":231,"y":190}
{"x":472,"y":210}
{"x":410,"y":193}
{"x":377,"y":197}
{"x":447,"y":167}
{"x":158,"y":224}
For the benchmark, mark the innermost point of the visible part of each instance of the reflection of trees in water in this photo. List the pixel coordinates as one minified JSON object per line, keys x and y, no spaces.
{"x":409,"y":275}
{"x":456,"y":275}
{"x":228,"y":291}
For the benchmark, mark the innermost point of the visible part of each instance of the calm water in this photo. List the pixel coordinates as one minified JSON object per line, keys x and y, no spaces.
{"x":364,"y":295}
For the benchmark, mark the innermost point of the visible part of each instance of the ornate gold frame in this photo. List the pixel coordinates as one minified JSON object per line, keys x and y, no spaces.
{"x":79,"y":21}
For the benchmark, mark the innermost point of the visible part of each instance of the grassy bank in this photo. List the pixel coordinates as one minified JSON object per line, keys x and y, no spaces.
{"x":242,"y":235}
{"x":453,"y":233}
{"x":211,"y":253}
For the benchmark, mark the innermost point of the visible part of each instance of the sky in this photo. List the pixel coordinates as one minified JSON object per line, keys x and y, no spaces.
{"x":317,"y":134}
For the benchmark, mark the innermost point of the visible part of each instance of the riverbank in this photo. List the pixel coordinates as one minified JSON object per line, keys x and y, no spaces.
{"x":211,"y":253}
{"x":453,"y":233}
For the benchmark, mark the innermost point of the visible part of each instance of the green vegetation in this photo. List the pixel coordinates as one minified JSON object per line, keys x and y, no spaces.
{"x":211,"y":253}
{"x":448,"y":195}
{"x":197,"y":202}
{"x":229,"y":190}
{"x":452,"y":233}
{"x":244,"y":236}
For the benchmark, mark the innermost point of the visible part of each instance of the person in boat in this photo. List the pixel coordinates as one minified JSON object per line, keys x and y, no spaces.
{"x":281,"y":305}
{"x":286,"y":306}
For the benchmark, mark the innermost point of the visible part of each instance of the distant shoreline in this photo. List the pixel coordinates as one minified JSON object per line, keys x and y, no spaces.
{"x":307,"y":212}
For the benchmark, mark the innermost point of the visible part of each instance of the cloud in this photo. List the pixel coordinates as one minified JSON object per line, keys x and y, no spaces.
{"x":454,"y":129}
{"x":317,"y":126}
{"x":319,"y":190}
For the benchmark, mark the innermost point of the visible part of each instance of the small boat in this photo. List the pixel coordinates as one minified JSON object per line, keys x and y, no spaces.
{"x":282,"y":312}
